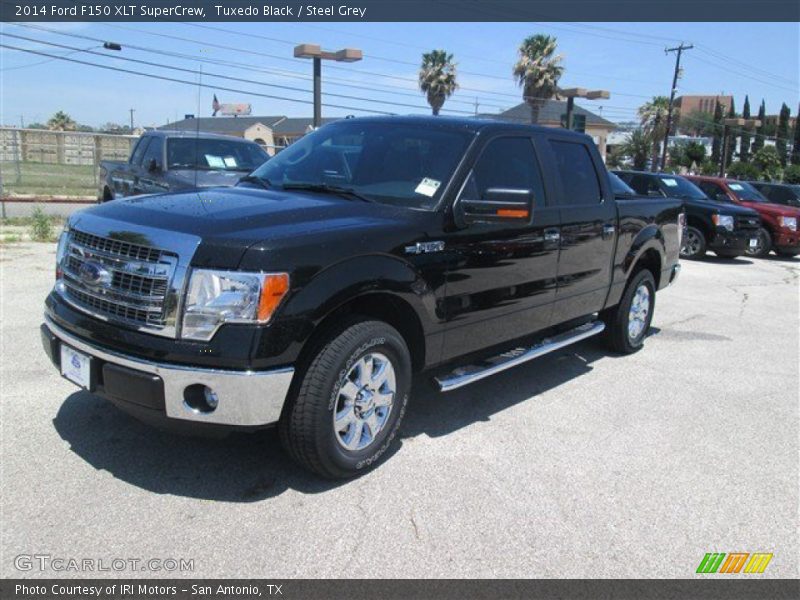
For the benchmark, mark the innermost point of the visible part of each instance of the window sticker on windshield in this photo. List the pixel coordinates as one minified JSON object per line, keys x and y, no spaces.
{"x":230,"y":162}
{"x":736,"y":186}
{"x":427,"y":187}
{"x":215,"y":162}
{"x":670,"y":182}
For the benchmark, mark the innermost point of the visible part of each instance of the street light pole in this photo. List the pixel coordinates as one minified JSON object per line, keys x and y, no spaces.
{"x":317,"y":54}
{"x":573,"y":93}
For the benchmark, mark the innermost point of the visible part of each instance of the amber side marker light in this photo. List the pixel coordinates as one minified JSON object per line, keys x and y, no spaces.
{"x":513,"y":213}
{"x":273,"y":290}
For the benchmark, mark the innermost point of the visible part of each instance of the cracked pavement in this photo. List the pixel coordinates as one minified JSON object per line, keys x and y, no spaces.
{"x":580,"y":464}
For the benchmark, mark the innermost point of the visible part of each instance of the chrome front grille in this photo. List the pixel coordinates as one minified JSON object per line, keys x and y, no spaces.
{"x":119,"y":280}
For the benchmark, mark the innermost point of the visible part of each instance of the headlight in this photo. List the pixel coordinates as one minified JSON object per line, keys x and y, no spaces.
{"x":61,"y":250}
{"x":788,"y":222}
{"x":725,"y":221}
{"x":217,"y":297}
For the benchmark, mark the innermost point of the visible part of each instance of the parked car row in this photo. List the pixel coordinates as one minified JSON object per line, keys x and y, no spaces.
{"x":726,"y":216}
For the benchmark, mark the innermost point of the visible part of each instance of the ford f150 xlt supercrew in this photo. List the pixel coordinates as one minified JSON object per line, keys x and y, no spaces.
{"x":368,"y":252}
{"x":172,"y":161}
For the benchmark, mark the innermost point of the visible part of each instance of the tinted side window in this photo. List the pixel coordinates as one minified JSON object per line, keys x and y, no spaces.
{"x":155,"y":151}
{"x":506,"y":163}
{"x":138,"y":152}
{"x":713,"y":191}
{"x":578,"y":175}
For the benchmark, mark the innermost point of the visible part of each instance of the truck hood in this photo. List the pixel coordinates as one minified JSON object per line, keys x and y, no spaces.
{"x":187,"y":178}
{"x":723,"y":208}
{"x":228,"y":221}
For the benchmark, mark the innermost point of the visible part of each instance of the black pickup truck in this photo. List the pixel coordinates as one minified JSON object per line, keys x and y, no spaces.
{"x":172,"y":161}
{"x":723,"y":228}
{"x":367,"y":253}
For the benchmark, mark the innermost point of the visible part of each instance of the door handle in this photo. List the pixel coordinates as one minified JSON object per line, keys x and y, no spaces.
{"x":552,"y":235}
{"x":608,"y":230}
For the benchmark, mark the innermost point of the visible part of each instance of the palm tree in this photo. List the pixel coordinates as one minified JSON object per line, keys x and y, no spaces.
{"x":61,"y":121}
{"x":537,"y":71}
{"x":653,"y":118}
{"x":437,"y":78}
{"x":637,"y":148}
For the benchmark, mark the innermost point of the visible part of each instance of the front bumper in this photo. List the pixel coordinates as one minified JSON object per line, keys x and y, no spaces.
{"x":732,"y":241}
{"x":787,"y":241}
{"x":152,"y":390}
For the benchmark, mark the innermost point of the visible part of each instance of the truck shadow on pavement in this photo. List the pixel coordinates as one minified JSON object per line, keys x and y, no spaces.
{"x":251,"y":467}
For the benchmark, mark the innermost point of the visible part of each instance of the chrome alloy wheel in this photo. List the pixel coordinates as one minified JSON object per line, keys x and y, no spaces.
{"x":637,"y":315}
{"x":364,"y":401}
{"x":760,"y":245}
{"x":691,"y":244}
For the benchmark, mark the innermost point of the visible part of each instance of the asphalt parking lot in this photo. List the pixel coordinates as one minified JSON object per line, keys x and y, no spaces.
{"x":581,"y":464}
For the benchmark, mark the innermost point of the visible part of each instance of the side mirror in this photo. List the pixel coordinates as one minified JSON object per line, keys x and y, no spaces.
{"x":499,"y":205}
{"x":153,"y":166}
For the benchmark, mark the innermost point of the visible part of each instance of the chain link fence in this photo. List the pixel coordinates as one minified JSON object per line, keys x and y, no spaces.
{"x":39,"y":163}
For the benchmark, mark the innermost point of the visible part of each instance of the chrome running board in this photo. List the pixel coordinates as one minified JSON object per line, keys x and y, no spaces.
{"x":471,"y":373}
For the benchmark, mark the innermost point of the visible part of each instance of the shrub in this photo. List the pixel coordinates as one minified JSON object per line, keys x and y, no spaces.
{"x":768,"y":162}
{"x":41,"y":226}
{"x":709,"y":168}
{"x":743,"y":171}
{"x":792,"y":174}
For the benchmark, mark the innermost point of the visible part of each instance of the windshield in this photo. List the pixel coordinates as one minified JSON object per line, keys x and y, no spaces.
{"x":679,"y":187}
{"x":619,"y":187}
{"x":211,"y":154}
{"x":746,"y":192}
{"x":402,"y":164}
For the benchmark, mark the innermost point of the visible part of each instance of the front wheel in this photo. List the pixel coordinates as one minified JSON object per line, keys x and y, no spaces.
{"x":628,"y":322}
{"x":694,"y":243}
{"x":763,"y":244}
{"x":350,"y":401}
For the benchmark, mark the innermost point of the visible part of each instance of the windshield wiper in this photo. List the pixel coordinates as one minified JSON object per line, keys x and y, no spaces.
{"x":260,"y":181}
{"x":325,"y":188}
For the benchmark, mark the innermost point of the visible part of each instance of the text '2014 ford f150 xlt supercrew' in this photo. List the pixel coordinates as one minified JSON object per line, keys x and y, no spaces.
{"x":368,"y":252}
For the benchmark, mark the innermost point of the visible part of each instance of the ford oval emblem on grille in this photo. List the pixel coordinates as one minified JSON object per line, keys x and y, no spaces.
{"x":94,"y":274}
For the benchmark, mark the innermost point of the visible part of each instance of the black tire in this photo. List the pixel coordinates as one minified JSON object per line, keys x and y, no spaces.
{"x":764,"y":244}
{"x":617,"y":319}
{"x":306,"y":427}
{"x":107,"y":195}
{"x":694,"y":244}
{"x":727,"y":254}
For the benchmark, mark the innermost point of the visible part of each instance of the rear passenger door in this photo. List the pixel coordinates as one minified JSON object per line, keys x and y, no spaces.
{"x":588,"y":215}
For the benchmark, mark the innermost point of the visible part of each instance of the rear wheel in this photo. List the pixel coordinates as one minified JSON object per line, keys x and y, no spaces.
{"x":350,"y":402}
{"x":694,"y":243}
{"x":628,"y":322}
{"x":763,"y":244}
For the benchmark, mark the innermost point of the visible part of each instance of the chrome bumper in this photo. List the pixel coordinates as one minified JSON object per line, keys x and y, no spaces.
{"x":246,"y":398}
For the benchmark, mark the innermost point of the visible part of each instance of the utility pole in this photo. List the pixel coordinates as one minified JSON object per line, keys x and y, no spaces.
{"x":132,"y":110}
{"x":476,"y":106}
{"x":679,"y":50}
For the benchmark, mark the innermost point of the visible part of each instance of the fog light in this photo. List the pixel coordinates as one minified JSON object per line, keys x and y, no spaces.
{"x":200,"y":398}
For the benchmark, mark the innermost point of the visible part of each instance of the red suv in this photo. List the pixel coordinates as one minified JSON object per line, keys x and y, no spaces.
{"x":778,"y":223}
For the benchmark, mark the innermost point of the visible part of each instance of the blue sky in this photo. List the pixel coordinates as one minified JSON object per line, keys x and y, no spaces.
{"x":759,"y":59}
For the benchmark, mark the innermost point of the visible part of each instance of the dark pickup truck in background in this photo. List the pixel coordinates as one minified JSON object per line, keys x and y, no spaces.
{"x":172,"y":161}
{"x":787,"y":194}
{"x":369,"y":252}
{"x":724,"y":228}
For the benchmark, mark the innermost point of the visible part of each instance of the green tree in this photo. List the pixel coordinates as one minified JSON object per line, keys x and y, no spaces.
{"x":792,"y":174}
{"x":732,"y":133}
{"x":653,"y":119}
{"x":743,"y":171}
{"x":61,"y":121}
{"x":437,"y":78}
{"x":758,"y":142}
{"x":768,"y":162}
{"x":637,"y":148}
{"x":695,"y":153}
{"x":716,"y":144}
{"x":781,"y":143}
{"x":744,"y":143}
{"x":796,"y":145}
{"x":537,"y":71}
{"x":698,"y":122}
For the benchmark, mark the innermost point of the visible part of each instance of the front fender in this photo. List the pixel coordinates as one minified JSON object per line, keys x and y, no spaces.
{"x":315,"y":298}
